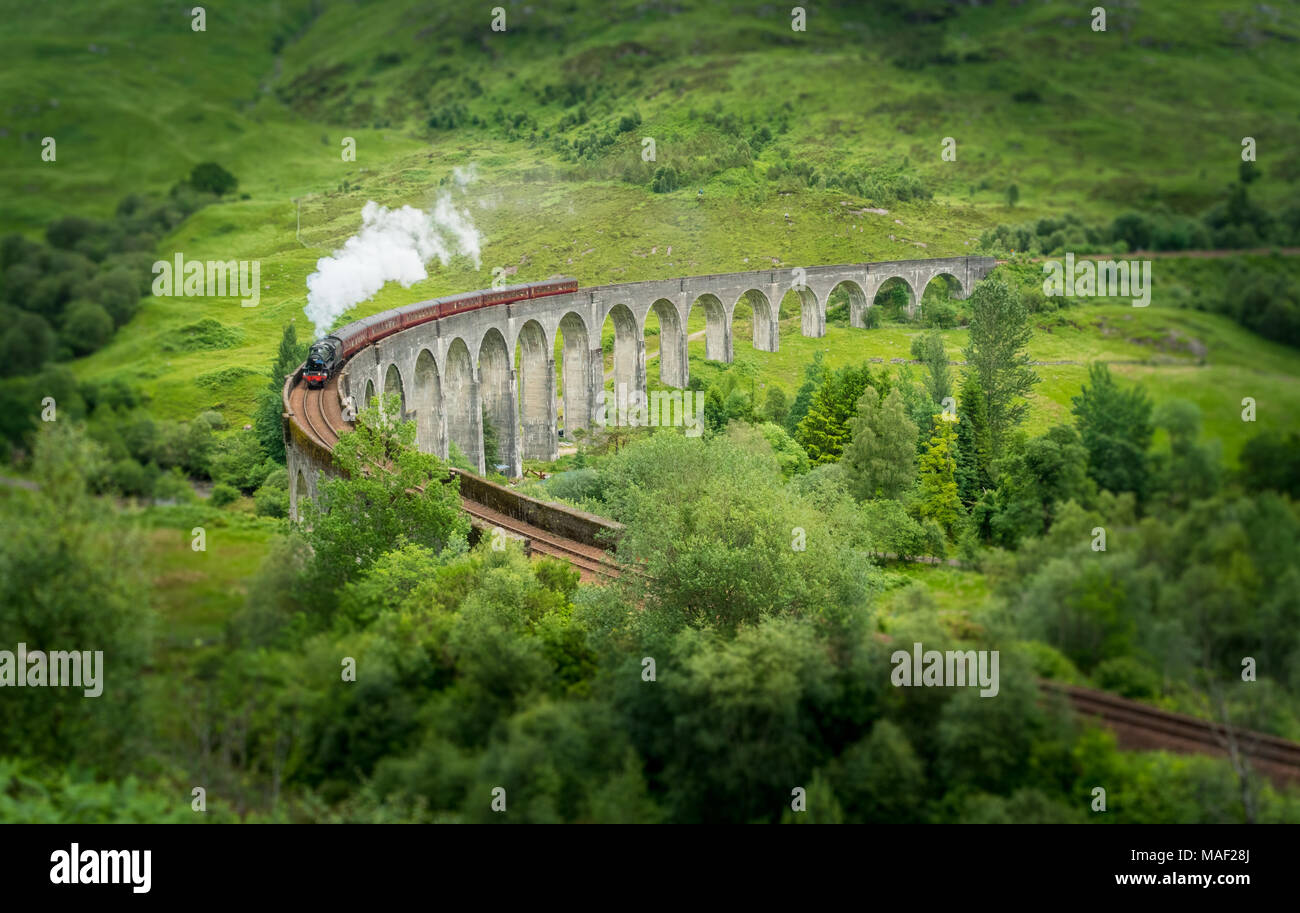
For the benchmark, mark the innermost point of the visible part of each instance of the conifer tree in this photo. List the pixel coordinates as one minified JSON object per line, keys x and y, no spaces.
{"x":881,"y":460}
{"x":814,"y":373}
{"x":973,"y":450}
{"x":1116,"y":427}
{"x":827,"y":428}
{"x":266,"y":418}
{"x":929,"y":350}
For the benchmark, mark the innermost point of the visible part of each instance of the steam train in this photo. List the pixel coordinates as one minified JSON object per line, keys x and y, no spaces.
{"x":328,"y":355}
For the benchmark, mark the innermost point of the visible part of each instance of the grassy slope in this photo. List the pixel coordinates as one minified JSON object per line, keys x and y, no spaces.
{"x":154,"y":98}
{"x":195,"y":592}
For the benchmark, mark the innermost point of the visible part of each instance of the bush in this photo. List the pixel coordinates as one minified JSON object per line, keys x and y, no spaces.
{"x":1049,"y":662}
{"x":1127,"y":677}
{"x":272,"y":499}
{"x":26,"y":345}
{"x":129,"y":477}
{"x":140,"y":437}
{"x":1271,"y":461}
{"x":940,"y":313}
{"x":223,"y":494}
{"x":212,"y":178}
{"x":665,"y":179}
{"x":934,"y":539}
{"x":789,"y":455}
{"x":576,"y":486}
{"x":777,"y":407}
{"x":113,"y":393}
{"x":214,"y":420}
{"x":893,"y":532}
{"x":449,"y":116}
{"x":173,"y":486}
{"x":188,"y":445}
{"x":87,"y":327}
{"x":118,"y":291}
{"x":238,"y":462}
{"x":69,"y":231}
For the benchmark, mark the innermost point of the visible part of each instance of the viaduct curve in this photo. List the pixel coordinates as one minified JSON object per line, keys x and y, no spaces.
{"x":451,"y":371}
{"x":447,"y":369}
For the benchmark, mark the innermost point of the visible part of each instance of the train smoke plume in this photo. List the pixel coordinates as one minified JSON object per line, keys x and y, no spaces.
{"x":394,"y":245}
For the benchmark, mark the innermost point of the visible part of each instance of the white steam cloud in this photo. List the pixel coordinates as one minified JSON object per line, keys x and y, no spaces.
{"x":394,"y":245}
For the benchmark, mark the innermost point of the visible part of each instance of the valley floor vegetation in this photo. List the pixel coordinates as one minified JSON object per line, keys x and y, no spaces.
{"x":765,"y":561}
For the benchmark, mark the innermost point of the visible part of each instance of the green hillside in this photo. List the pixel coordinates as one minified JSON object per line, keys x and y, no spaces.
{"x":135,"y":98}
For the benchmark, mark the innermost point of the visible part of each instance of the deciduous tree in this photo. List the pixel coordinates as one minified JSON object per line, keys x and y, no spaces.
{"x":930,"y":351}
{"x":997,"y":357}
{"x":389,"y":495}
{"x":1115,"y":426}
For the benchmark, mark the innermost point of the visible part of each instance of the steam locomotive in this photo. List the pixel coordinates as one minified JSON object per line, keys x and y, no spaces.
{"x":328,"y":355}
{"x":322,"y":361}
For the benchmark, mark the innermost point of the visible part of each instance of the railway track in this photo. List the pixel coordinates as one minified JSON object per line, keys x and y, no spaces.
{"x":593,"y":564}
{"x":1137,"y":726}
{"x":323,"y":418}
{"x":1141,"y":727}
{"x":317,"y":420}
{"x":306,"y":404}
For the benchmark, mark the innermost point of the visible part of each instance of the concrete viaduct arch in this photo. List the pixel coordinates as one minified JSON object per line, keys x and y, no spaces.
{"x":499,"y":362}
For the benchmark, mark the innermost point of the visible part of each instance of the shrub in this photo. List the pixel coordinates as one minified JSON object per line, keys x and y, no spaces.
{"x":576,"y":486}
{"x":212,"y":178}
{"x":140,"y":437}
{"x":129,"y":477}
{"x":26,"y":345}
{"x":113,"y":393}
{"x":940,"y":313}
{"x":118,"y":291}
{"x":238,"y":461}
{"x":272,"y":499}
{"x":223,"y":494}
{"x":665,"y":179}
{"x":789,"y":455}
{"x":1127,"y":677}
{"x":777,"y":407}
{"x":87,"y":327}
{"x":893,"y":532}
{"x":69,"y":231}
{"x":213,"y":419}
{"x":173,"y":486}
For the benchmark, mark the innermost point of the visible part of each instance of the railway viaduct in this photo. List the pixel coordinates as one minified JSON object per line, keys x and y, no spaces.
{"x":447,"y":369}
{"x":500,"y":361}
